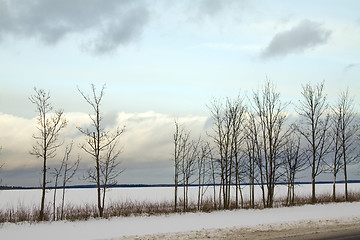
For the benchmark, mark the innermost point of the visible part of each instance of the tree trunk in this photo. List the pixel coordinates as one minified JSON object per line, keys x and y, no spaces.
{"x":293,"y":192}
{"x":54,"y":200}
{"x":237,"y":183}
{"x":62,"y":203}
{"x":334,"y":187}
{"x":313,"y":197}
{"x":176,"y":192}
{"x":103,"y":198}
{"x":345,"y":174}
{"x":199,"y":194}
{"x":41,"y":216}
{"x":313,"y":176}
{"x":214,"y":182}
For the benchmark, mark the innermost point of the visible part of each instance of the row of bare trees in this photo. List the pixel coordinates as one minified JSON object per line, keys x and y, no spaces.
{"x":100,"y":144}
{"x":260,"y":144}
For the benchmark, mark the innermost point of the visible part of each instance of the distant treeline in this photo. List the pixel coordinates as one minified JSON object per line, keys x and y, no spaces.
{"x":162,"y":185}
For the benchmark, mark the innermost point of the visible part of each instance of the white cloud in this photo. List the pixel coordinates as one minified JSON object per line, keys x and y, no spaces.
{"x":149,"y":135}
{"x":306,"y":35}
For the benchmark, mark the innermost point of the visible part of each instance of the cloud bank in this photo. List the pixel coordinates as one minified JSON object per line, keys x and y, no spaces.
{"x":306,"y":35}
{"x":110,"y":23}
{"x":147,"y":139}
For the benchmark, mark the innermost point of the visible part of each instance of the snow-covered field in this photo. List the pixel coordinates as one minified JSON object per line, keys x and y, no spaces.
{"x":117,"y":228}
{"x":31,"y":198}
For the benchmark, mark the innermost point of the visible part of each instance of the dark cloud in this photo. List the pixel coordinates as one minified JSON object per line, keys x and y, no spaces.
{"x":211,"y":7}
{"x":306,"y":35}
{"x":113,"y":22}
{"x":120,"y":31}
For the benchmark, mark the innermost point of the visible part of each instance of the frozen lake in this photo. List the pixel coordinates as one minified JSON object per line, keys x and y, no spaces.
{"x":31,"y":198}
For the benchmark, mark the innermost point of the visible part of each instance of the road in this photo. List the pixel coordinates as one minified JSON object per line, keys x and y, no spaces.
{"x":329,"y":230}
{"x":344,"y":234}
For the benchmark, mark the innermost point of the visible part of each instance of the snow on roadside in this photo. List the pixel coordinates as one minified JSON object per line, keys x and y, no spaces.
{"x":119,"y":227}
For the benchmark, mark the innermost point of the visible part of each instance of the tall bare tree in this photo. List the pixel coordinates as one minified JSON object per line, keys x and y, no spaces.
{"x":253,"y":149}
{"x":178,"y":136}
{"x":222,"y":136}
{"x":337,"y":163}
{"x":188,"y":160}
{"x":346,"y":128}
{"x":101,"y":145}
{"x":228,"y":136}
{"x":47,"y":141}
{"x":314,"y":127}
{"x":204,"y":154}
{"x":236,"y":111}
{"x":218,"y":136}
{"x":271,"y":117}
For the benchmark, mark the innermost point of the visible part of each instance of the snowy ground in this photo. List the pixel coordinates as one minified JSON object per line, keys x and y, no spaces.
{"x":118,"y":228}
{"x":175,"y":226}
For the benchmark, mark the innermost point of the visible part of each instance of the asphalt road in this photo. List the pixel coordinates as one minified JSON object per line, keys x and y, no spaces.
{"x":348,"y":233}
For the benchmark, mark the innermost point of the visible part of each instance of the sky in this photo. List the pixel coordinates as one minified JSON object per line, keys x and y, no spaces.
{"x":161,"y":60}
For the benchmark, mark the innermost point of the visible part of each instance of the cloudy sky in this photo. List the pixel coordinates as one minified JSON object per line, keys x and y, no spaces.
{"x":161,"y":60}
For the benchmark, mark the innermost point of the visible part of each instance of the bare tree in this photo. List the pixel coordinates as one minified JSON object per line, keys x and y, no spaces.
{"x":178,"y":136}
{"x":186,"y":155}
{"x":68,"y":173}
{"x":294,"y":163}
{"x":313,"y":126}
{"x":228,"y":136}
{"x":66,"y":170}
{"x":212,"y":172}
{"x":253,"y":147}
{"x":337,"y":163}
{"x":236,"y":111}
{"x":101,"y":145}
{"x":202,"y":162}
{"x":347,"y":129}
{"x":218,"y":137}
{"x":47,"y":140}
{"x":57,"y":174}
{"x":271,"y":117}
{"x":188,"y":160}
